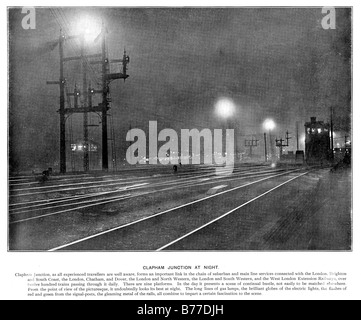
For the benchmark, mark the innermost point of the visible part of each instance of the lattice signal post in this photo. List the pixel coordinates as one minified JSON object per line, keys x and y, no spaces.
{"x":279,"y":143}
{"x":87,"y":92}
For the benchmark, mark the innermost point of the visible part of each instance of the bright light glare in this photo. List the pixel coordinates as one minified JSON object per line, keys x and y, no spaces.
{"x":269,"y":124}
{"x":225,"y":108}
{"x":88,"y":26}
{"x":302,"y":138}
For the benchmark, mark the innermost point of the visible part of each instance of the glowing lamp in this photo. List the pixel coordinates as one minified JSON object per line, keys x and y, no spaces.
{"x":269,"y":124}
{"x":225,"y":108}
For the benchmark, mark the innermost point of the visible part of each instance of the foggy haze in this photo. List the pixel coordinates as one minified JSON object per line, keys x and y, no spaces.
{"x":272,"y":62}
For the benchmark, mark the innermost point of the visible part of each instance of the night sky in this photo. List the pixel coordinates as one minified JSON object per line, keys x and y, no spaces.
{"x":272,"y":62}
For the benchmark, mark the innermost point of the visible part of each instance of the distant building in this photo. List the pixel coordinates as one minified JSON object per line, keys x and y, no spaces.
{"x":80,"y":146}
{"x":317,"y":140}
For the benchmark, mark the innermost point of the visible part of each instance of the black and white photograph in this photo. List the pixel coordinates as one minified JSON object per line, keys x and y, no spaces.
{"x":136,"y":129}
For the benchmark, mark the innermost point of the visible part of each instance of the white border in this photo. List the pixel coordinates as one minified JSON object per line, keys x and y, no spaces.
{"x":228,"y":261}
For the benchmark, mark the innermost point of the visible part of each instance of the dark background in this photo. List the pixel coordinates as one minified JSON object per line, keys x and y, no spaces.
{"x":272,"y":62}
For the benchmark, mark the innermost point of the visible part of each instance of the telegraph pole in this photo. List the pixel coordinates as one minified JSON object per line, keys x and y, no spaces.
{"x":332,"y":147}
{"x":265,"y":146}
{"x":62,"y":106}
{"x":272,"y":154}
{"x":85,"y":105}
{"x":288,"y":138}
{"x":347,"y":142}
{"x":104,"y":102}
{"x":106,"y":78}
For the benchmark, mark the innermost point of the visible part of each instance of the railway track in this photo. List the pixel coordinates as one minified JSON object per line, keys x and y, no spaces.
{"x":31,"y":210}
{"x":82,"y":180}
{"x":21,"y":199}
{"x":206,"y":208}
{"x":165,"y":229}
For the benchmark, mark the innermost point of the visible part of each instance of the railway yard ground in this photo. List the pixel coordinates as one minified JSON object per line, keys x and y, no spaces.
{"x":257,"y":207}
